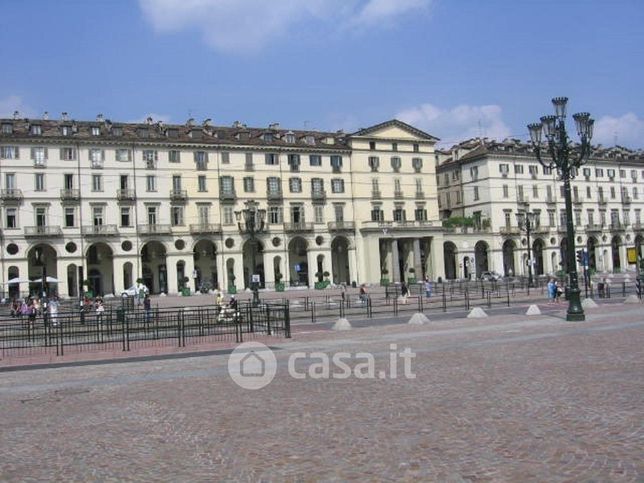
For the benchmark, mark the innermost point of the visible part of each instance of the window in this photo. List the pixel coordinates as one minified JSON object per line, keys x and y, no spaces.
{"x":395,"y":164}
{"x":297,"y":214}
{"x":227,"y":185}
{"x":586,"y":172}
{"x":176,"y":215}
{"x":417,"y":164}
{"x":309,"y":139}
{"x":11,"y":220}
{"x":397,"y":186}
{"x":533,"y":169}
{"x":10,"y":181}
{"x":201,"y":183}
{"x":96,"y":157}
{"x":578,"y":217}
{"x":504,"y":169}
{"x":249,"y":184}
{"x":150,"y":156}
{"x":123,"y":155}
{"x":125,"y":216}
{"x":65,"y":130}
{"x":591,"y":217}
{"x":399,"y":214}
{"x":634,"y":174}
{"x":95,"y":131}
{"x":600,"y":192}
{"x":394,"y":146}
{"x":458,"y":197}
{"x":338,"y":211}
{"x":9,"y":152}
{"x":41,"y":216}
{"x":7,"y":128}
{"x":97,"y":182}
{"x":35,"y":129}
{"x":228,"y":215}
{"x":274,"y":215}
{"x":377,"y":214}
{"x":97,"y":215}
{"x":588,"y":192}
{"x":561,"y":191}
{"x":117,"y":131}
{"x":375,"y":187}
{"x":476,"y":193}
{"x":249,"y":161}
{"x":374,"y":163}
{"x":622,"y":173}
{"x":271,"y":159}
{"x":336,"y":163}
{"x":337,"y":185}
{"x":273,"y":185}
{"x":289,"y":138}
{"x":69,"y":217}
{"x":520,"y":192}
{"x":551,"y":218}
{"x":268,"y":137}
{"x":372,"y":145}
{"x":176,"y":182}
{"x":39,"y":182}
{"x":627,"y":217}
{"x":416,"y":148}
{"x":151,"y":183}
{"x":599,"y":173}
{"x":225,"y":157}
{"x":638,"y":216}
{"x":635,"y":193}
{"x":68,"y":181}
{"x":317,"y":186}
{"x":295,"y":185}
{"x":562,"y":217}
{"x":315,"y":160}
{"x":294,"y":162}
{"x":174,"y":156}
{"x":506,"y":191}
{"x":535,"y":191}
{"x":474,"y":172}
{"x":204,"y":214}
{"x":547,"y":170}
{"x":612,"y":192}
{"x":201,"y":160}
{"x":518,"y":169}
{"x":419,"y":185}
{"x":67,"y":154}
{"x":318,"y":211}
{"x":420,"y":214}
{"x":610,"y":173}
{"x":39,"y":156}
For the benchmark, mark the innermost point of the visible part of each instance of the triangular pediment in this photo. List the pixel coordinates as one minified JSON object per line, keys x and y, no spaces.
{"x":395,"y":129}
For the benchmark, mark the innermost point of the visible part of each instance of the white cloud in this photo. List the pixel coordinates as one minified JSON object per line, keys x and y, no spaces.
{"x":241,"y":26}
{"x":10,"y":104}
{"x":627,"y":130}
{"x":458,"y":123}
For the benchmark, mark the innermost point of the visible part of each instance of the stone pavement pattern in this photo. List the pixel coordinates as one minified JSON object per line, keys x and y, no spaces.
{"x":510,"y":399}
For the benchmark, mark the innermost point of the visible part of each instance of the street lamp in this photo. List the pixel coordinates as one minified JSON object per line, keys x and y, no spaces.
{"x":250,"y":221}
{"x":526,"y":223}
{"x":39,"y":262}
{"x":566,"y":159}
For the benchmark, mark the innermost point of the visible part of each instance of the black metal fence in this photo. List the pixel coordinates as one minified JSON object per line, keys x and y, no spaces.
{"x":123,"y":330}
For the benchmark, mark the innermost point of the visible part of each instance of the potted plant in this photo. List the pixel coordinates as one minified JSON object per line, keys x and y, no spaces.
{"x":412,"y":276}
{"x":185,"y":289}
{"x":232,"y":289}
{"x":384,"y":280}
{"x":326,"y":282}
{"x":279,"y":285}
{"x":319,"y":284}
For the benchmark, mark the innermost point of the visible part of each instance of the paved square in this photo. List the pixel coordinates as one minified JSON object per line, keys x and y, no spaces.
{"x":500,"y":399}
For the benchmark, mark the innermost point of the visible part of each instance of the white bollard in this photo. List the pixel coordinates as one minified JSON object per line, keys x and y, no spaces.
{"x":341,"y":324}
{"x":533,"y":310}
{"x":418,"y":319}
{"x":588,"y":304}
{"x":476,"y":313}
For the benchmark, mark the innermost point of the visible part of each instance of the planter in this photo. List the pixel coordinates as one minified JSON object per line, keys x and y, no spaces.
{"x":185,"y":292}
{"x":279,"y":287}
{"x":232,"y":289}
{"x":89,"y":294}
{"x":319,"y":285}
{"x":384,"y":282}
{"x":411,"y":280}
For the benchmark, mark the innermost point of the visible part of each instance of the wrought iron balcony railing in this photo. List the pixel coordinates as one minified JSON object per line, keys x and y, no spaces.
{"x":594,"y":227}
{"x":298,"y":227}
{"x":205,"y":228}
{"x":341,"y":226}
{"x":227,"y":196}
{"x":43,"y":231}
{"x":154,"y":229}
{"x":11,"y":194}
{"x":178,"y":195}
{"x":125,"y":195}
{"x":69,"y":194}
{"x":99,"y":230}
{"x":509,"y":230}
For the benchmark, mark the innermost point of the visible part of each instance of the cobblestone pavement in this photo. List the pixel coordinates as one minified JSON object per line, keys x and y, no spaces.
{"x":501,"y":399}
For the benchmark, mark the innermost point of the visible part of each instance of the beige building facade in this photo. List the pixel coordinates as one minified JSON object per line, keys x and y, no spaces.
{"x":107,"y":203}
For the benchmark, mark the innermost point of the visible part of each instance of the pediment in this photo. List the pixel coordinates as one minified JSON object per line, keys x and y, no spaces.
{"x":395,"y":129}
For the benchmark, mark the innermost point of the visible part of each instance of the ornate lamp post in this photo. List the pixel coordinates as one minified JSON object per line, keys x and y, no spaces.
{"x":250,"y":221}
{"x":39,"y":262}
{"x":566,"y":161}
{"x":526,"y":223}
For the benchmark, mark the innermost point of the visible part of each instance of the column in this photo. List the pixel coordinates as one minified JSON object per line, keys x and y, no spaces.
{"x":353,"y":274}
{"x":171,"y":273}
{"x":395,"y":261}
{"x":438,"y":262}
{"x":222,"y":278}
{"x":269,"y":270}
{"x":418,"y":264}
{"x":311,"y":258}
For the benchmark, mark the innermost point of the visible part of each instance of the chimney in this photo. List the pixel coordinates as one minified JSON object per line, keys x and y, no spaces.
{"x":65,"y":116}
{"x":99,"y":118}
{"x":45,"y":116}
{"x":16,"y":114}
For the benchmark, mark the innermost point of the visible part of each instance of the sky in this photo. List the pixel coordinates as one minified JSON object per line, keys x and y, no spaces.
{"x":454,"y":68}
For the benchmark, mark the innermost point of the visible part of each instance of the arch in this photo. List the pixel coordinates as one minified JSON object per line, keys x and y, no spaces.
{"x":247,"y":250}
{"x":154,"y":270}
{"x":591,"y":246}
{"x":508,"y":258}
{"x":42,"y":262}
{"x":298,"y":265}
{"x":537,"y":253}
{"x":100,"y":268}
{"x":615,"y":245}
{"x":450,"y":252}
{"x":72,"y":280}
{"x":128,"y":275}
{"x":340,"y":260}
{"x":14,"y":288}
{"x":481,"y":250}
{"x":204,"y":254}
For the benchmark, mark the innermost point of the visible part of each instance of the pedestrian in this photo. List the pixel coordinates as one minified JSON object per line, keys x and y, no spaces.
{"x":220,"y":298}
{"x":558,"y":291}
{"x":428,"y":287}
{"x":147,"y":308}
{"x":404,"y":291}
{"x":363,"y":294}
{"x":53,"y":311}
{"x":100,"y":309}
{"x":233,"y":304}
{"x":33,"y":311}
{"x":552,"y":291}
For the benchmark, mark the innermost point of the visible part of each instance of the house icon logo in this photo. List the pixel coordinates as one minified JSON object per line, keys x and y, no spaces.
{"x":252,"y":365}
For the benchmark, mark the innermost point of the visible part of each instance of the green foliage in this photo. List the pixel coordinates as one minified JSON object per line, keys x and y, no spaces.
{"x":455,"y":221}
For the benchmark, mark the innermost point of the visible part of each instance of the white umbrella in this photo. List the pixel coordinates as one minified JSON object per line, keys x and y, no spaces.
{"x":49,"y":280}
{"x":15,"y":280}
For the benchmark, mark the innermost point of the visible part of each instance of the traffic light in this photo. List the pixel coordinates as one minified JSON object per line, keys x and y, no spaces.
{"x":580,"y":257}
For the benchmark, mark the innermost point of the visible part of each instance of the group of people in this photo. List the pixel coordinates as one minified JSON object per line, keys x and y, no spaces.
{"x":30,"y":308}
{"x":554,"y":291}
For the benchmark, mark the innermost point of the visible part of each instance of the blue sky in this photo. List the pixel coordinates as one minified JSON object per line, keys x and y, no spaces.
{"x":456,"y":68}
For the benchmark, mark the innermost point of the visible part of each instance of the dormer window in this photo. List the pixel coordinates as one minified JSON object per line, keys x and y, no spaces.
{"x":95,"y":131}
{"x":289,"y":138}
{"x":65,"y":130}
{"x":394,"y":146}
{"x":117,"y":131}
{"x":268,"y":137}
{"x":196,"y":133}
{"x":372,"y":145}
{"x":309,"y":139}
{"x":172,"y":133}
{"x":35,"y":130}
{"x":7,"y":128}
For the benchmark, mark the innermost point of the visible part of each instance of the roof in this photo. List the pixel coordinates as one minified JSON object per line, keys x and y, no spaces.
{"x":395,"y":122}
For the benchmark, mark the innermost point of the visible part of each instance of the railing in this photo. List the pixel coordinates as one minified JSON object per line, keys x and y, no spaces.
{"x":594,"y":227}
{"x":318,"y":195}
{"x":551,"y":199}
{"x":577,"y":200}
{"x":341,"y":226}
{"x":626,"y":200}
{"x":40,"y":163}
{"x":602,"y":200}
{"x":298,"y":227}
{"x":205,"y":228}
{"x":43,"y":231}
{"x":125,"y":195}
{"x":420,"y":195}
{"x":541,"y":229}
{"x":616,"y":226}
{"x":11,"y":194}
{"x":398,"y":194}
{"x":376,"y":194}
{"x":638,"y":226}
{"x":274,"y":195}
{"x":99,"y":230}
{"x":69,"y":194}
{"x":154,"y":229}
{"x":509,"y":230}
{"x":178,"y":195}
{"x":227,"y":196}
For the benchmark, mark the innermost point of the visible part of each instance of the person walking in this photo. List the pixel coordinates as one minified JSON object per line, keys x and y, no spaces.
{"x":552,"y":291}
{"x":100,"y":310}
{"x":404,"y":291}
{"x":363,"y":294}
{"x":428,"y":287}
{"x":147,"y":308}
{"x":53,"y":311}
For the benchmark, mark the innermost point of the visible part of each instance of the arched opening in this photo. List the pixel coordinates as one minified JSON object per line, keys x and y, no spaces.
{"x":537,"y":253}
{"x":481,"y":258}
{"x":14,"y":288}
{"x":466,"y":267}
{"x":297,"y":261}
{"x":563,"y":255}
{"x":230,"y":272}
{"x":72,"y":280}
{"x":100,"y":270}
{"x":181,"y":276}
{"x":591,"y":246}
{"x":615,"y":245}
{"x":340,"y":260}
{"x":42,"y":264}
{"x":277,"y":269}
{"x":258,"y":269}
{"x":449,"y":254}
{"x":508,"y":258}
{"x":204,"y":255}
{"x":153,"y":259}
{"x":128,"y":278}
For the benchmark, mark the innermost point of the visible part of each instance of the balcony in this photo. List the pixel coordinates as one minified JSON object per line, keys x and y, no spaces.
{"x":616,"y":226}
{"x":99,"y":230}
{"x":522,"y":200}
{"x":509,"y":230}
{"x":376,"y":195}
{"x":11,"y":194}
{"x":43,"y":231}
{"x":626,"y":199}
{"x":638,"y":226}
{"x":318,"y":196}
{"x":40,"y":163}
{"x":594,"y":228}
{"x":70,"y":194}
{"x":147,"y":230}
{"x":204,"y":228}
{"x":602,"y":200}
{"x":420,"y":195}
{"x":249,"y":167}
{"x":298,"y":227}
{"x":399,"y":195}
{"x":125,"y":195}
{"x":227,"y":196}
{"x":551,"y":199}
{"x":341,"y":226}
{"x":577,"y":200}
{"x":178,"y":195}
{"x":540,"y":230}
{"x":275,"y":196}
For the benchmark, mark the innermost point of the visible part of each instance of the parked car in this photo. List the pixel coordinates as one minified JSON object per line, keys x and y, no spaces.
{"x":133,"y":291}
{"x":490,"y":276}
